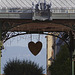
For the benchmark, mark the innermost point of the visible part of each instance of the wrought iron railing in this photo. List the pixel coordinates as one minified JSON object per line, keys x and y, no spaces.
{"x":29,"y":10}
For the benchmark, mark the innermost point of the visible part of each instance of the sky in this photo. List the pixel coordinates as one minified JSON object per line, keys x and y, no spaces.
{"x":17,"y":47}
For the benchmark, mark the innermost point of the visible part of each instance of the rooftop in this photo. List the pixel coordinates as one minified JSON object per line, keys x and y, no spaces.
{"x":28,"y":3}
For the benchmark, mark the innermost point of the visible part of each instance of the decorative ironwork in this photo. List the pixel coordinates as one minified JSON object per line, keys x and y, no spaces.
{"x":42,"y":11}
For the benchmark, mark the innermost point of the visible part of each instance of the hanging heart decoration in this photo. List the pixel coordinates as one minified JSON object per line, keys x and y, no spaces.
{"x":35,"y":48}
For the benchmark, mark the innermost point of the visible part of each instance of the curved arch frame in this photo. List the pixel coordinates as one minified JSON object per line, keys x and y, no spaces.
{"x":39,"y":33}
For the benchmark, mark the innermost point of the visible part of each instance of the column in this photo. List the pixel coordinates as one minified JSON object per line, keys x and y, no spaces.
{"x":0,"y":43}
{"x":72,"y":51}
{"x":49,"y":53}
{"x":73,"y":60}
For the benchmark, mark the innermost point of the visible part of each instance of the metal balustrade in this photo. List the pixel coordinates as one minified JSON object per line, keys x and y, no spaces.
{"x":29,"y":10}
{"x":15,"y":10}
{"x":61,"y":10}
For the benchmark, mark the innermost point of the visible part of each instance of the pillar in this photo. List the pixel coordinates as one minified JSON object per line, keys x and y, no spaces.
{"x":73,"y":60}
{"x":72,"y":67}
{"x":72,"y":51}
{"x":49,"y":53}
{"x":0,"y":43}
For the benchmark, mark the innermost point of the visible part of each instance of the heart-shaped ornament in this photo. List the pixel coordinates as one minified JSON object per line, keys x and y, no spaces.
{"x":35,"y":48}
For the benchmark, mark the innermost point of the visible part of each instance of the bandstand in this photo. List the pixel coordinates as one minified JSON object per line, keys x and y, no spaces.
{"x":38,"y":16}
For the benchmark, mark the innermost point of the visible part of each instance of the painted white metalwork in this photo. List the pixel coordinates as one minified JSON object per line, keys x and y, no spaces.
{"x":37,"y":9}
{"x":28,"y":3}
{"x":41,"y":11}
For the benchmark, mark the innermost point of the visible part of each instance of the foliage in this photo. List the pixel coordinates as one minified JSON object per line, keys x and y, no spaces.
{"x":17,"y":67}
{"x":62,"y":64}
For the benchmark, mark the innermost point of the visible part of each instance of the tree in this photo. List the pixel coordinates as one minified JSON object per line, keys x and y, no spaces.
{"x":17,"y":67}
{"x":62,"y":64}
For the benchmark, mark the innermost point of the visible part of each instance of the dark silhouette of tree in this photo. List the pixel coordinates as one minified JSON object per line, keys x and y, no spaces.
{"x":18,"y":67}
{"x":62,"y":64}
